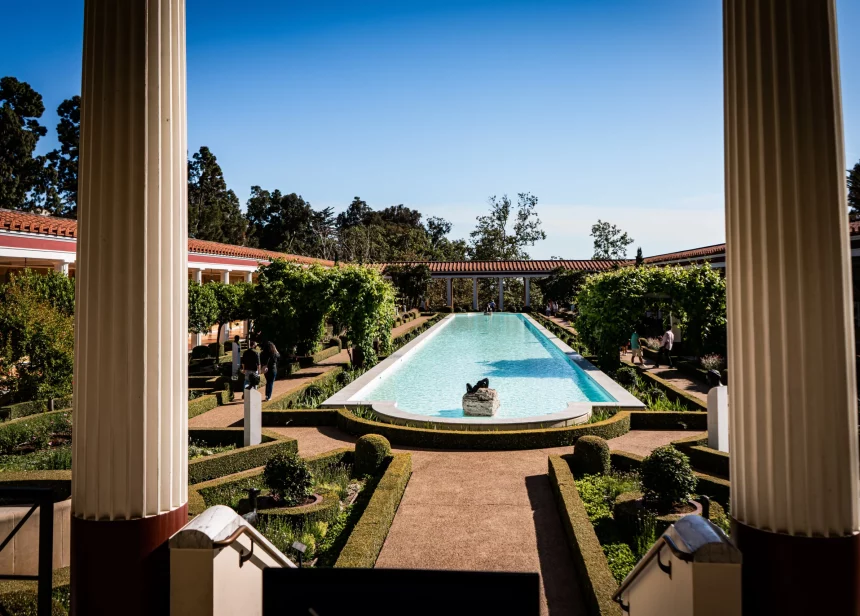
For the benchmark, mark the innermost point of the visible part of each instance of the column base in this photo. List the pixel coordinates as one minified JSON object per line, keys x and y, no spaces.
{"x":785,"y":574}
{"x":122,"y":566}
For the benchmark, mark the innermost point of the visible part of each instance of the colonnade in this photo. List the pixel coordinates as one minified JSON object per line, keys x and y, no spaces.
{"x":449,"y":291}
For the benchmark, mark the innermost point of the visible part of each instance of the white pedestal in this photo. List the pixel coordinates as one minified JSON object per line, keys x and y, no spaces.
{"x":718,"y":418}
{"x":253,"y":417}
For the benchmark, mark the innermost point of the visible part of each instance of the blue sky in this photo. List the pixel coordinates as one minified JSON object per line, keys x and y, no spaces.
{"x":605,"y":109}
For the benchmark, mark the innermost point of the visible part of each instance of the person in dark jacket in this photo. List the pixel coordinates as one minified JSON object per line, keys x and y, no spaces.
{"x":270,"y":358}
{"x":251,"y":366}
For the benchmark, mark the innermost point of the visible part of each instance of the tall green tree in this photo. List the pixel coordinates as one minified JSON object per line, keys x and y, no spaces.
{"x":281,"y":222}
{"x":610,"y":242}
{"x":20,"y":131}
{"x":202,"y":307}
{"x":561,"y":285}
{"x":410,"y":281}
{"x":493,"y":238}
{"x":232,"y":302}
{"x":363,"y":303}
{"x":64,"y":160}
{"x":640,"y":260}
{"x":213,"y":209}
{"x":854,"y":191}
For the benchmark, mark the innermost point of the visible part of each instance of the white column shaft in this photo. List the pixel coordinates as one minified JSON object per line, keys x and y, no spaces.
{"x":501,"y":294}
{"x":474,"y":294}
{"x":198,"y":276}
{"x":131,"y":408}
{"x":62,"y":267}
{"x":528,"y":291}
{"x":792,"y":401}
{"x":225,"y":277}
{"x":249,"y":277}
{"x":448,"y":291}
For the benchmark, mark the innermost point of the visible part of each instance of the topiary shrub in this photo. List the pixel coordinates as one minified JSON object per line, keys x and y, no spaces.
{"x":288,"y":477}
{"x":371,"y":452}
{"x":626,"y":376}
{"x":666,"y":477}
{"x":591,"y":456}
{"x":200,"y":352}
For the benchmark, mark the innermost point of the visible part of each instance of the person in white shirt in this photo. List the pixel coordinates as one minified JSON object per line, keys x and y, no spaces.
{"x":666,"y":347}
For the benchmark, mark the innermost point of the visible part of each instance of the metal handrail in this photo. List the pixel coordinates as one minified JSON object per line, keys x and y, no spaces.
{"x":42,"y":499}
{"x":243,"y":529}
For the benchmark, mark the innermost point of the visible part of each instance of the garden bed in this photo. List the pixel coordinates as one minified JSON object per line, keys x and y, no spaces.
{"x":34,"y":407}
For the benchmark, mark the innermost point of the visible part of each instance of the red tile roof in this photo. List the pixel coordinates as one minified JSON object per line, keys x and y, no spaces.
{"x":66,"y":227}
{"x":33,"y":223}
{"x":695,"y":253}
{"x":508,"y":267}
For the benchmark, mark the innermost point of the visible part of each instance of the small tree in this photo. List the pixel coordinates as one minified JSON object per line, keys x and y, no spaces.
{"x":364,"y":305}
{"x":37,"y":338}
{"x":610,"y":242}
{"x":290,"y":303}
{"x":202,"y":307}
{"x":288,"y":476}
{"x":411,"y":281}
{"x":232,"y":302}
{"x":640,"y":260}
{"x":667,"y":478}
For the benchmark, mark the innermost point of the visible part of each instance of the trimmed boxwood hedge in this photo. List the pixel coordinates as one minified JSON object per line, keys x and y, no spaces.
{"x":672,"y":392}
{"x":366,"y":539}
{"x":716,"y":488}
{"x":702,"y":457}
{"x":33,"y":407}
{"x":325,"y":511}
{"x":240,"y":459}
{"x":327,"y":352}
{"x":200,"y":405}
{"x":299,"y":417}
{"x":486,"y":440}
{"x":59,"y":481}
{"x":595,"y":579}
{"x":668,"y":420}
{"x":34,"y":430}
{"x":197,"y":493}
{"x":288,"y":400}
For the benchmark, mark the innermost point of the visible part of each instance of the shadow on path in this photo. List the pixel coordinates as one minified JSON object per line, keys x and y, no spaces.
{"x":563,"y":595}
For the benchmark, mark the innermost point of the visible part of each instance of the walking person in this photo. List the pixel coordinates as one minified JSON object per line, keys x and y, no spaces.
{"x":666,"y":347}
{"x":251,"y":366}
{"x":237,"y":359}
{"x":636,"y":349}
{"x":269,"y":359}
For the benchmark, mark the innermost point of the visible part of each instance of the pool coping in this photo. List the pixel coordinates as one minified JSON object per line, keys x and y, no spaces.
{"x":575,"y":412}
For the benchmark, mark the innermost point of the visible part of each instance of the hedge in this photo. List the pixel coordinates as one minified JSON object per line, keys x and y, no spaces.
{"x":702,"y":457}
{"x":25,"y":409}
{"x":366,"y":539}
{"x":299,"y":417}
{"x":326,"y":510}
{"x":35,"y":430}
{"x":207,"y":381}
{"x":239,"y":459}
{"x":485,"y":440}
{"x":595,"y":579}
{"x":668,"y":420}
{"x":59,"y":481}
{"x":325,"y":354}
{"x":673,"y":393}
{"x":289,"y":400}
{"x":716,"y":488}
{"x":200,"y":405}
{"x":197,"y":493}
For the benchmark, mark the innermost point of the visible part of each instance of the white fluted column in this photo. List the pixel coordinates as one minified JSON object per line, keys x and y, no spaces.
{"x":129,"y":490}
{"x":501,"y":294}
{"x":62,"y":267}
{"x":792,"y":399}
{"x":474,"y":293}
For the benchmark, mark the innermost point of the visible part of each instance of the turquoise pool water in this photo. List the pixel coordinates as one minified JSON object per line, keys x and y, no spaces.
{"x":533,"y":377}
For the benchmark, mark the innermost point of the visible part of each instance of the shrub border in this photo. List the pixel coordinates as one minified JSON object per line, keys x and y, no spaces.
{"x":288,"y":400}
{"x":717,"y":488}
{"x":596,"y":580}
{"x":672,"y":392}
{"x":36,"y":420}
{"x":299,"y":417}
{"x":200,"y":405}
{"x":368,"y":536}
{"x":702,"y":457}
{"x":324,"y":510}
{"x":237,"y":460}
{"x":33,"y":407}
{"x":59,"y":481}
{"x":197,"y":503}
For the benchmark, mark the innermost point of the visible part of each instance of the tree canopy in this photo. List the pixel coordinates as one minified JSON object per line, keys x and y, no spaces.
{"x":561,"y":285}
{"x":20,"y":171}
{"x":610,"y":242}
{"x":363,"y":303}
{"x":611,"y":304}
{"x":410,"y":281}
{"x":854,"y":191}
{"x":213,"y":209}
{"x":64,"y":159}
{"x":494,"y":240}
{"x":202,"y":307}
